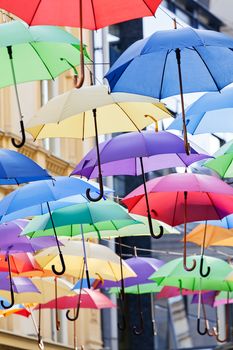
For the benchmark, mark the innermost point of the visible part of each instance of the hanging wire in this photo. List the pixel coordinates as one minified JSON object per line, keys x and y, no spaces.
{"x":171,"y":17}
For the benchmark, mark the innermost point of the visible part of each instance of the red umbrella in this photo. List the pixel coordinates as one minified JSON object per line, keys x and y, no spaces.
{"x":95,"y":13}
{"x":182,"y":198}
{"x":89,"y":14}
{"x":90,"y":299}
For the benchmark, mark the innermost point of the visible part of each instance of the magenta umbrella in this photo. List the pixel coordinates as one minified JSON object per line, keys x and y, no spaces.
{"x":182,"y":198}
{"x":137,"y":153}
{"x":90,"y":299}
{"x":170,"y":292}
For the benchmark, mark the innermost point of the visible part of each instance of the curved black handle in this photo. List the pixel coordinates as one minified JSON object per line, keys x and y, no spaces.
{"x":199,"y":328}
{"x":62,"y":264}
{"x":23,"y":140}
{"x":7,"y":258}
{"x":201,"y":269}
{"x":101,"y":190}
{"x":70,"y":318}
{"x":140,"y":330}
{"x":189,"y":268}
{"x":161,"y":229}
{"x":8,"y":306}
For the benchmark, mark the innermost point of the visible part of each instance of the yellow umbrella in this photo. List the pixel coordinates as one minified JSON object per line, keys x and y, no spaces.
{"x":92,"y":110}
{"x":102,"y":262}
{"x":71,"y":114}
{"x":214,"y":236}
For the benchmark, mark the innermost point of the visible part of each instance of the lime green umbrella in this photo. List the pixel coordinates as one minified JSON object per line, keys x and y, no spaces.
{"x":80,"y":218}
{"x":34,"y":53}
{"x":173,"y":274}
{"x":223,"y":162}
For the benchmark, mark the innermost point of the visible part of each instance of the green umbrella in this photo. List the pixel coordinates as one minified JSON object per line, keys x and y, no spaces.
{"x":142,"y":229}
{"x":139,"y":289}
{"x":173,"y":274}
{"x":34,"y":53}
{"x":80,"y":218}
{"x":223,"y":162}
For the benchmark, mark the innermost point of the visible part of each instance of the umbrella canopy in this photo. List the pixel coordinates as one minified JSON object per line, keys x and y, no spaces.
{"x":170,"y":292}
{"x":208,"y":298}
{"x":207,"y":198}
{"x":47,"y":289}
{"x":102,"y":261}
{"x":223,"y":162}
{"x":18,"y":309}
{"x":16,"y":168}
{"x":223,"y":298}
{"x":22,"y":264}
{"x":143,"y":268}
{"x":91,"y":216}
{"x":121,"y":154}
{"x":132,"y":230}
{"x":95,"y":14}
{"x":149,"y":66}
{"x":14,"y":243}
{"x":45,"y":45}
{"x":145,"y":288}
{"x":173,"y":274}
{"x":214,"y":236}
{"x":20,"y":284}
{"x":90,"y":299}
{"x":70,"y":114}
{"x":211,"y":113}
{"x":22,"y":203}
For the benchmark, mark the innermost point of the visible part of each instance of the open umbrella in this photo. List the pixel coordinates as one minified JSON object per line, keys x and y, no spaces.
{"x":132,"y":230}
{"x":143,"y":267}
{"x":173,"y":274}
{"x":135,"y":154}
{"x":91,"y":111}
{"x":32,"y":198}
{"x":18,"y":309}
{"x":11,"y":241}
{"x":79,"y":218}
{"x":16,"y":168}
{"x":223,"y":162}
{"x":49,"y":48}
{"x":182,"y":198}
{"x":168,"y":63}
{"x":90,"y":14}
{"x":21,"y":264}
{"x":211,"y":113}
{"x":102,"y":261}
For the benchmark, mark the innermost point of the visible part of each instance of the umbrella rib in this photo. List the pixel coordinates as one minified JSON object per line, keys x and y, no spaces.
{"x":93,"y":11}
{"x":213,"y":205}
{"x":47,"y":68}
{"x":215,"y":82}
{"x":162,"y":79}
{"x":149,"y":8}
{"x":174,"y":211}
{"x":122,"y":109}
{"x":33,"y":16}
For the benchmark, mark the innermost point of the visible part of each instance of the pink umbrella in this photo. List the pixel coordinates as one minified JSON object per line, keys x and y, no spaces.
{"x":169,"y":292}
{"x":182,"y":198}
{"x":90,"y":299}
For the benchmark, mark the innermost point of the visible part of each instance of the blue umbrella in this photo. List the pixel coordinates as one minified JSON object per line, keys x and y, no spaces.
{"x":155,"y":66}
{"x":16,"y":168}
{"x":226,"y":222}
{"x":209,"y":114}
{"x":37,"y":196}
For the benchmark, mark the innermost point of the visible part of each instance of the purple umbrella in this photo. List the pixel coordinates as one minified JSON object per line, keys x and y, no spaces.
{"x":207,"y":298}
{"x":144,"y":268}
{"x":137,"y":153}
{"x":19,"y":284}
{"x":13,"y":243}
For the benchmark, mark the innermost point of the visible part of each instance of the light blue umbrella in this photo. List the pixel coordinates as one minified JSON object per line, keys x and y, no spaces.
{"x":16,"y":168}
{"x":172,"y":62}
{"x":37,"y":196}
{"x":212,"y":112}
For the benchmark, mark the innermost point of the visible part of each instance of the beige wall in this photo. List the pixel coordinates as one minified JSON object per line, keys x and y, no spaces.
{"x":14,"y":328}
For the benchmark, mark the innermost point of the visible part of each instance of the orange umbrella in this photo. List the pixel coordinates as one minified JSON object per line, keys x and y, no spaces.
{"x":214,"y":236}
